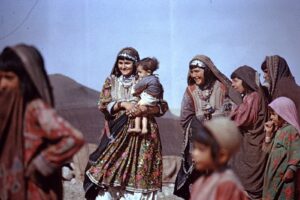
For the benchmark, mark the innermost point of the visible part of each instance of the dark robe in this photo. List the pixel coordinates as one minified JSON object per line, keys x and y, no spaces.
{"x":249,"y":162}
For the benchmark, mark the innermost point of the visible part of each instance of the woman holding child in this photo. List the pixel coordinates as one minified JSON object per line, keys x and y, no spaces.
{"x":130,"y":165}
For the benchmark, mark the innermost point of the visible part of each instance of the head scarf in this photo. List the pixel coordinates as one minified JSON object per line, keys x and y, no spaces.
{"x":127,"y":53}
{"x":286,"y":109}
{"x":249,"y":76}
{"x":34,"y":65}
{"x":277,"y":69}
{"x":211,"y":73}
{"x":12,"y":174}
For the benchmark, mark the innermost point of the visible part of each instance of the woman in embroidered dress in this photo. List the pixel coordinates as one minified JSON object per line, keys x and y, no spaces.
{"x":204,"y":98}
{"x":283,"y":142}
{"x":250,"y":116}
{"x":130,"y":165}
{"x":35,"y":141}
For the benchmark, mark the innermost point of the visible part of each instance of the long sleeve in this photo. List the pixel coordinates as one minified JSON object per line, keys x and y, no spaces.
{"x":292,"y":143}
{"x":229,"y":191}
{"x":247,"y":112}
{"x":106,"y":102}
{"x":187,"y":109}
{"x":59,"y":141}
{"x":140,"y":86}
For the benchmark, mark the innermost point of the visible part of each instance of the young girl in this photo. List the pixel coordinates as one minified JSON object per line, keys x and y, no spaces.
{"x":148,"y":88}
{"x":214,"y":143}
{"x":284,"y":150}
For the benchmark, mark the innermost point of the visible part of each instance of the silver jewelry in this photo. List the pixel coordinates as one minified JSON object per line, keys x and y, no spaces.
{"x":198,"y":63}
{"x":128,"y":56}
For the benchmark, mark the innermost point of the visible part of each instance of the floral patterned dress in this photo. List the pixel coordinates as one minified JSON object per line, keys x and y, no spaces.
{"x":50,"y":141}
{"x":132,"y":161}
{"x":284,"y":154}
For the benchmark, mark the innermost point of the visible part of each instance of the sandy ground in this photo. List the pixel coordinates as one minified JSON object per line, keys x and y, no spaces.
{"x":73,"y":191}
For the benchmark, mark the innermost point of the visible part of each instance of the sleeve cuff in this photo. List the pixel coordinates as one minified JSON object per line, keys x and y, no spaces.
{"x":293,"y":167}
{"x":43,"y":166}
{"x":110,"y":107}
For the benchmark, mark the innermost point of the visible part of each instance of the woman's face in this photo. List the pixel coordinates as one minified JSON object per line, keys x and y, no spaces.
{"x":267,"y":75}
{"x":8,"y":81}
{"x":125,"y":67}
{"x":197,"y":74}
{"x":237,"y":85}
{"x":202,"y":157}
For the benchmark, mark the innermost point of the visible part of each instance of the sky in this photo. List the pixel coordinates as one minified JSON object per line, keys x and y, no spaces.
{"x":81,"y":38}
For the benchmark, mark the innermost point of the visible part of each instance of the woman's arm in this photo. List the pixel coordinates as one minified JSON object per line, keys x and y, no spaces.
{"x":247,"y":112}
{"x":187,"y":109}
{"x":148,"y":111}
{"x":61,"y":140}
{"x":292,"y":145}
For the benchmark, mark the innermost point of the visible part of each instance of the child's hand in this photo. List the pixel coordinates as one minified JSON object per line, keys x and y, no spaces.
{"x":289,"y":175}
{"x":269,"y":128}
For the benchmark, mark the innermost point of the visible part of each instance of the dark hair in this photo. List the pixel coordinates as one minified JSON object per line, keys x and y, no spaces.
{"x":264,"y":66}
{"x":203,"y":136}
{"x":209,"y":77}
{"x":149,"y":64}
{"x":129,"y":51}
{"x":271,"y":110}
{"x":247,"y":88}
{"x":10,"y":62}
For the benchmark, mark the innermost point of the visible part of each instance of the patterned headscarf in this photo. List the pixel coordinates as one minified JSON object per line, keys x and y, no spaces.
{"x":286,"y":109}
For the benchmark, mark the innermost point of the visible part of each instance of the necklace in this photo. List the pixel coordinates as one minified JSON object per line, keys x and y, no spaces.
{"x":126,"y":82}
{"x":205,"y":94}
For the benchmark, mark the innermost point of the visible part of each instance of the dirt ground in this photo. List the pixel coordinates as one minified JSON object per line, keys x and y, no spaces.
{"x":73,"y":191}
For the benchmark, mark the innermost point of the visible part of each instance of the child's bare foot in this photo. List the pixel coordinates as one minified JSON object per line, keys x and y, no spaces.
{"x":134,"y":130}
{"x":144,"y":131}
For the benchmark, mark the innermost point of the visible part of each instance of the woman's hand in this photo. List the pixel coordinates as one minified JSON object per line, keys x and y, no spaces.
{"x":288,"y":175}
{"x":127,"y":106}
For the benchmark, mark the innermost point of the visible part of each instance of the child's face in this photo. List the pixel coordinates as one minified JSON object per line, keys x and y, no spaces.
{"x":202,"y":157}
{"x":276,"y":119}
{"x":141,"y":72}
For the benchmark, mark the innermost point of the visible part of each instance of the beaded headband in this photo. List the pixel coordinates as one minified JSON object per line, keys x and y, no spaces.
{"x":198,"y":63}
{"x":127,"y":56}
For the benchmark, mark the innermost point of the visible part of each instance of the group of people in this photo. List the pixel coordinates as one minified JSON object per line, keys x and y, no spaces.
{"x":241,"y":138}
{"x":262,"y":120}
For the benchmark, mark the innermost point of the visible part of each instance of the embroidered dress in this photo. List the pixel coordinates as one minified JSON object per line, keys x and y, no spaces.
{"x":42,"y":123}
{"x":35,"y":141}
{"x":132,"y":161}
